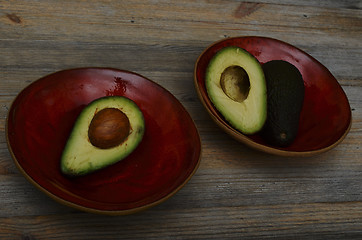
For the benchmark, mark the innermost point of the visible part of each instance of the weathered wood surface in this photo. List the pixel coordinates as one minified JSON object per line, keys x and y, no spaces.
{"x":237,"y":193}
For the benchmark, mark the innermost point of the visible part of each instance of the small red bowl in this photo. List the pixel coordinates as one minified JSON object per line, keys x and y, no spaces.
{"x":326,"y":115}
{"x":41,"y":118}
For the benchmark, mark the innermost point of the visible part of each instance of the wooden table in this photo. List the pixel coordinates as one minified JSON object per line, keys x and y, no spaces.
{"x":237,"y":192}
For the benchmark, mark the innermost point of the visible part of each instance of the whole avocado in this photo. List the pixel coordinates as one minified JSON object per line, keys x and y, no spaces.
{"x":285,"y":96}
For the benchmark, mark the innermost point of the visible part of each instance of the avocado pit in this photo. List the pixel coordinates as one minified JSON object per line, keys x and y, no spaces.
{"x":108,"y":128}
{"x":235,"y":83}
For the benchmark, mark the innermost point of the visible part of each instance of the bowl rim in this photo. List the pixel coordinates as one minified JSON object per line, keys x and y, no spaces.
{"x":244,"y":138}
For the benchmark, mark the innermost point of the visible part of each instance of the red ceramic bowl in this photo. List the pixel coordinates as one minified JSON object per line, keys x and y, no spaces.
{"x":326,"y":115}
{"x":41,"y":118}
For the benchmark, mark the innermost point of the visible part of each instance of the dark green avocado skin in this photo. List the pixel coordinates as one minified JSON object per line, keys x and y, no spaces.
{"x":285,"y":95}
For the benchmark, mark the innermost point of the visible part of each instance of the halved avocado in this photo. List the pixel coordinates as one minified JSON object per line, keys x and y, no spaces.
{"x":106,"y":131}
{"x":236,"y":86}
{"x":285,"y":87}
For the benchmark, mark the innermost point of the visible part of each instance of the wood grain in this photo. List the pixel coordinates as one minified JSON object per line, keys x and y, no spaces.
{"x":237,"y":193}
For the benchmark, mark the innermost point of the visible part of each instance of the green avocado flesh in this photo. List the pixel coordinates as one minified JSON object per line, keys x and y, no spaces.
{"x":236,"y":86}
{"x":106,"y":131}
{"x":285,"y":89}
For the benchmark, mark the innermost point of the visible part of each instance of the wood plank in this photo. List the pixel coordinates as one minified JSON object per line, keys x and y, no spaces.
{"x":227,"y":180}
{"x":271,"y":221}
{"x":158,"y":24}
{"x":147,"y":60}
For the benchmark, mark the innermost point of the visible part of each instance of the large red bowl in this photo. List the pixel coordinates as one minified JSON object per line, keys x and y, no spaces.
{"x":326,"y":115}
{"x":41,"y":118}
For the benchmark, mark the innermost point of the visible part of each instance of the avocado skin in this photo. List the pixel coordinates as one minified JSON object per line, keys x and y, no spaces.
{"x":285,"y":95}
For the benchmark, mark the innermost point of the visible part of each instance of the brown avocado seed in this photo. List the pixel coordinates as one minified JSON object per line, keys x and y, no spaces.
{"x":108,"y":128}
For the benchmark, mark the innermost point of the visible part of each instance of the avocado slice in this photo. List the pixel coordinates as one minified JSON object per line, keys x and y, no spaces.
{"x":236,"y":86}
{"x":285,"y":87}
{"x":105,"y":132}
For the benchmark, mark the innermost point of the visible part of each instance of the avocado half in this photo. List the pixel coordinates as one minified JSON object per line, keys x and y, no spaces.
{"x":285,"y":88}
{"x":106,"y":131}
{"x":236,"y":86}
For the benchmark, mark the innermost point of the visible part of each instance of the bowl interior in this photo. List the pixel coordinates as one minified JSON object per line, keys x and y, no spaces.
{"x":326,"y":116}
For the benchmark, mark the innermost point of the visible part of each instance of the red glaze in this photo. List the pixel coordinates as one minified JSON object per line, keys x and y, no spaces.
{"x":41,"y":118}
{"x":326,"y":115}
